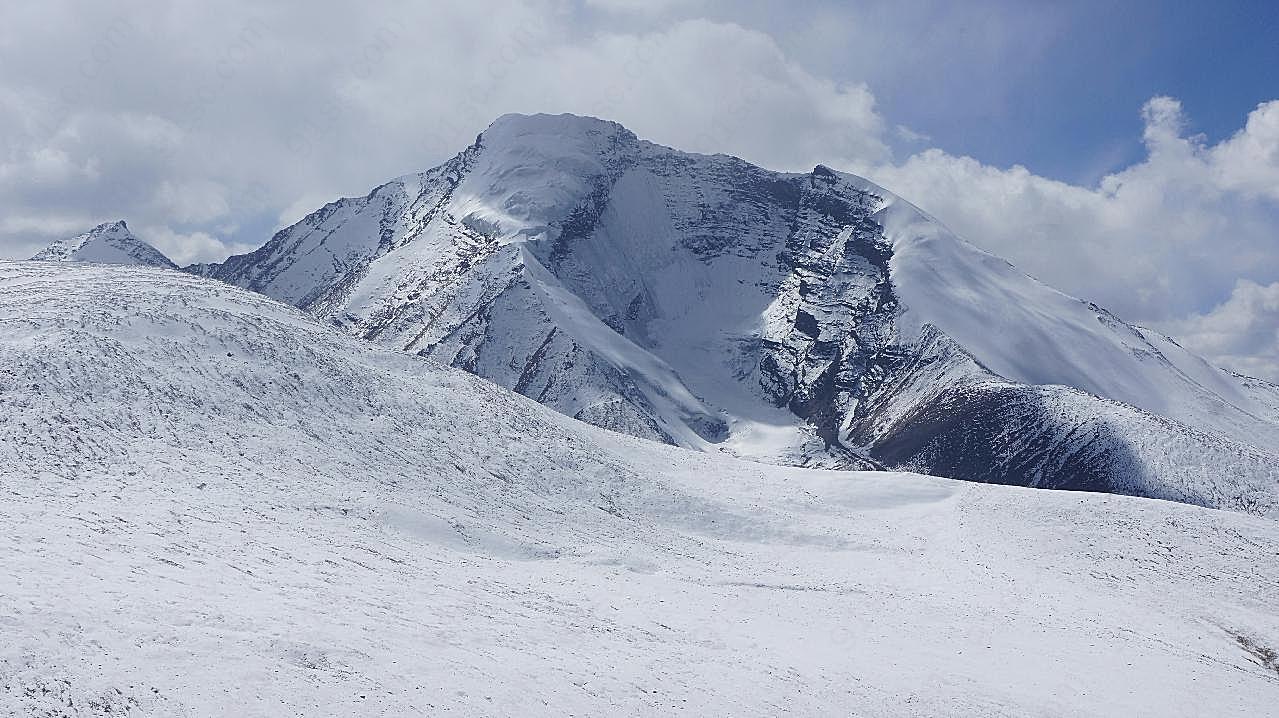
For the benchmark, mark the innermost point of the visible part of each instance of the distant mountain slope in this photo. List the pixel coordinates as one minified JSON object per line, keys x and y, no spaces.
{"x":810,"y":319}
{"x":1030,"y":333}
{"x":214,"y":505}
{"x":108,"y":243}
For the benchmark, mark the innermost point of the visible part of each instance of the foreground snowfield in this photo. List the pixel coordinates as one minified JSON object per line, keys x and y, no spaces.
{"x":211,"y":504}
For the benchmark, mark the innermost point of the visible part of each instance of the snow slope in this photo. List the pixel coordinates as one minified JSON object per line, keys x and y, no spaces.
{"x":1028,"y":332}
{"x":213,"y":505}
{"x":109,"y":243}
{"x":808,"y":319}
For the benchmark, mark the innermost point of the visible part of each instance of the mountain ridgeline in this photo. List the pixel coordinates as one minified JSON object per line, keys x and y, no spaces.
{"x":809,"y":319}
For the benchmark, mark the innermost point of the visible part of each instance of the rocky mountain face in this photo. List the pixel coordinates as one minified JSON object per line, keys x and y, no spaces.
{"x":107,"y":243}
{"x":810,"y":319}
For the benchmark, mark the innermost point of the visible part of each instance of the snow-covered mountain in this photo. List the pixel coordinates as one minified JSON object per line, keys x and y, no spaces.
{"x":108,"y":243}
{"x":808,"y":319}
{"x":215,"y":505}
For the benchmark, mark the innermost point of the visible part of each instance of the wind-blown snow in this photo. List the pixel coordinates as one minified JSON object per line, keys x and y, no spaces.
{"x":213,"y":505}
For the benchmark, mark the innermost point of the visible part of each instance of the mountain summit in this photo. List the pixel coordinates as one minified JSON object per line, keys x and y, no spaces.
{"x":107,"y":243}
{"x":797,"y":318}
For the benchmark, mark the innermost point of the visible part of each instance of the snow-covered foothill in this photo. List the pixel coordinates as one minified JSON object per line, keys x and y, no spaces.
{"x":107,"y":243}
{"x":213,"y":504}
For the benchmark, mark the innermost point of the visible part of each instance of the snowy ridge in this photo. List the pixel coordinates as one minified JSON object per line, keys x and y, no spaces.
{"x":708,"y":303}
{"x":216,"y":505}
{"x":1030,"y":333}
{"x":108,"y":243}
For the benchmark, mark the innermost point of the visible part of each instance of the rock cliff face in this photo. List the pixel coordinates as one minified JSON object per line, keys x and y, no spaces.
{"x":810,"y":319}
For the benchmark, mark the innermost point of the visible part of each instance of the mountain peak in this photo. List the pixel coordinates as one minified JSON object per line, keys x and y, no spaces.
{"x":813,"y":319}
{"x":564,"y":124}
{"x":514,"y":136}
{"x":107,"y":243}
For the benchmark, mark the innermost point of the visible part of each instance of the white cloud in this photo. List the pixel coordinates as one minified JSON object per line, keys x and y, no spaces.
{"x":1158,"y":240}
{"x":714,"y":87}
{"x":204,"y":115}
{"x":183,"y":248}
{"x":642,"y":7}
{"x":1249,"y":161}
{"x":192,"y":202}
{"x":1241,"y":333}
{"x":699,"y":85}
{"x":911,"y":136}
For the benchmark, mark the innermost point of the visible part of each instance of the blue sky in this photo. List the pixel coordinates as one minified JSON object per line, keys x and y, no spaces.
{"x":1053,"y":86}
{"x":1071,"y":116}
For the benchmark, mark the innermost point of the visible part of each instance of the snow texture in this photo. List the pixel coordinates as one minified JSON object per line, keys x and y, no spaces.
{"x":109,"y":243}
{"x":215,"y":505}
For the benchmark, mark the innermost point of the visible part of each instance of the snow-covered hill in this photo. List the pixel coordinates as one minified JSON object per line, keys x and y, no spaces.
{"x":214,"y":505}
{"x":808,"y":319}
{"x":109,"y":243}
